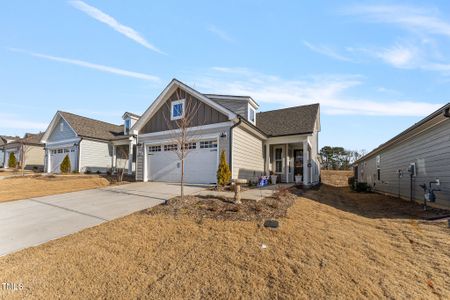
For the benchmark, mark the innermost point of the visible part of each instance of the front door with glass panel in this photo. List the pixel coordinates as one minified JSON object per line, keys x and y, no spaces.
{"x":298,"y":162}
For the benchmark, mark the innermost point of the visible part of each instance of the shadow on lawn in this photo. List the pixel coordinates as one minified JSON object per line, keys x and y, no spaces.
{"x":371,"y":205}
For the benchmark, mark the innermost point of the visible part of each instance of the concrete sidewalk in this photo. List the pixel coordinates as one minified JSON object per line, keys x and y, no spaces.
{"x":30,"y":222}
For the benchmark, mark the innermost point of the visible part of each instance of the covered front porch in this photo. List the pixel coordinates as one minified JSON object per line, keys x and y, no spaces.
{"x":290,"y":159}
{"x":124,"y":155}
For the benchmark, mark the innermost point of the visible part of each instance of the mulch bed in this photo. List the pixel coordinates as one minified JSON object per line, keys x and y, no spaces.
{"x":225,"y":209}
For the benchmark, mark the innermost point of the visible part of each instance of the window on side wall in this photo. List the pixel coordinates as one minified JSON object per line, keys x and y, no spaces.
{"x":127,"y":125}
{"x":278,"y":160}
{"x":251,"y":114}
{"x":378,"y":163}
{"x":177,"y":109}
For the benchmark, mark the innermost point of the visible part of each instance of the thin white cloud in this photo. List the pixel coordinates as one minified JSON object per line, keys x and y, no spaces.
{"x":220,"y":33}
{"x":407,"y":16}
{"x":332,"y":92}
{"x":102,"y":68}
{"x":399,"y":56}
{"x":327,"y":51}
{"x":114,"y":24}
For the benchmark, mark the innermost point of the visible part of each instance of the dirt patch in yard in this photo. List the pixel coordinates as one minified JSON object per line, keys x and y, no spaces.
{"x":225,"y":209}
{"x":35,"y":186}
{"x":328,"y":246}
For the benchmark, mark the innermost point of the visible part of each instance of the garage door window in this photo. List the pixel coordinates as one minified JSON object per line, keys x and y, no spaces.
{"x":190,"y":146}
{"x":154,"y":149}
{"x":173,"y":147}
{"x":208,"y":144}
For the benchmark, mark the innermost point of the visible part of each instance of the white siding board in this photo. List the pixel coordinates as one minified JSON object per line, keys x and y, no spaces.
{"x":248,"y":155}
{"x":430,"y":150}
{"x":95,"y":156}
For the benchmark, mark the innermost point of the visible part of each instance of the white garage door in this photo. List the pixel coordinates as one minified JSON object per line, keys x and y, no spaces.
{"x":200,"y":164}
{"x":57,"y":156}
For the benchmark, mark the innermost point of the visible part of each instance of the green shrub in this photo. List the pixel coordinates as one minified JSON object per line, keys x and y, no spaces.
{"x":65,"y":166}
{"x":351,"y":182}
{"x":223,"y":172}
{"x":360,"y":187}
{"x":12,"y":161}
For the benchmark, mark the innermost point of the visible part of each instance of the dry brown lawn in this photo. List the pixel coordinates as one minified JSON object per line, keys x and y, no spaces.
{"x":335,"y":178}
{"x":26,"y":187}
{"x":332,"y":244}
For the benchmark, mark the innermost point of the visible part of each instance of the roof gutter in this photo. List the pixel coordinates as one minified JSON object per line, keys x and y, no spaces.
{"x":447,"y":112}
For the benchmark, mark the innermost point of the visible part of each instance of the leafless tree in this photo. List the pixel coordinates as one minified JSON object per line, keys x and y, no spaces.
{"x":181,"y":133}
{"x":122,"y":155}
{"x":24,"y":149}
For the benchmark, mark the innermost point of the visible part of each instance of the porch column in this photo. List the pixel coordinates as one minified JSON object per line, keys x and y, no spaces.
{"x":305,"y":163}
{"x":286,"y":165}
{"x":114,"y":159}
{"x":48,"y":160}
{"x":267,"y":159}
{"x":130,"y":156}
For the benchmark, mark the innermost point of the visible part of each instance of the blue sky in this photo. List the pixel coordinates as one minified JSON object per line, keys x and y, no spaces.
{"x":375,"y":67}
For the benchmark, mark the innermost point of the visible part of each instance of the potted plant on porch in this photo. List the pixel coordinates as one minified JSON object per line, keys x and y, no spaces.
{"x":298,"y":179}
{"x":273,"y":178}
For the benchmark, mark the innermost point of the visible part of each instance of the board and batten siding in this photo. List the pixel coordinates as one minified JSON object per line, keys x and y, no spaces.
{"x":58,"y":135}
{"x":204,"y":114}
{"x":248,"y":155}
{"x":430,"y":150}
{"x":95,"y":156}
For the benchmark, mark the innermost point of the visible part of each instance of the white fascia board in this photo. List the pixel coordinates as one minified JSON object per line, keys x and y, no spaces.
{"x":196,"y":128}
{"x":299,"y":138}
{"x":162,"y":97}
{"x":62,"y":142}
{"x":200,"y":137}
{"x":52,"y":126}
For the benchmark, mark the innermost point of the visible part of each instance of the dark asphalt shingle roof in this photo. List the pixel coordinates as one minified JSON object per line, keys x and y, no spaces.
{"x":287,"y":121}
{"x":87,"y":127}
{"x":29,"y":139}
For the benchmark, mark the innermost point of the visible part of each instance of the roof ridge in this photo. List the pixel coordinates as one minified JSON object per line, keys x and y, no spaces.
{"x":287,"y":108}
{"x":96,"y":120}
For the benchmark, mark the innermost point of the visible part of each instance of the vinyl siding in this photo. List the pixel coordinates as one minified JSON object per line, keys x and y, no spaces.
{"x":248,"y":157}
{"x":430,"y":150}
{"x":95,"y":156}
{"x":315,"y":164}
{"x":58,"y":135}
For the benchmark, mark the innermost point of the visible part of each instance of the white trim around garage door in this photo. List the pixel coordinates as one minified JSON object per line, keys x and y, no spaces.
{"x":145,"y":145}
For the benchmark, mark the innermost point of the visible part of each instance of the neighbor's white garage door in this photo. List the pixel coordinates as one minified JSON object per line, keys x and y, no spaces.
{"x":57,"y":156}
{"x":200,"y":164}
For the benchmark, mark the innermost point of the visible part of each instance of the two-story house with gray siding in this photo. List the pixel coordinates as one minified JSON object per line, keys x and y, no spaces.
{"x":417,"y":156}
{"x":282,"y":142}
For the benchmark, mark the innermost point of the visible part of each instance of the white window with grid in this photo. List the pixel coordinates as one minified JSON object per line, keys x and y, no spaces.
{"x":190,"y":146}
{"x":154,"y":148}
{"x":208,"y":144}
{"x":171,"y":147}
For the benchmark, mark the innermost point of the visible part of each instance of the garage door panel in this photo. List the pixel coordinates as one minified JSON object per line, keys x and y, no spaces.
{"x":57,"y":158}
{"x":200,"y":166}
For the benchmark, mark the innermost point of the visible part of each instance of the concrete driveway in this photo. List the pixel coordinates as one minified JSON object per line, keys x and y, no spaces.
{"x":34,"y":221}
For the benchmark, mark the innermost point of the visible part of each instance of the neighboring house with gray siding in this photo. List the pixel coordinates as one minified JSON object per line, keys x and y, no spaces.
{"x":425,"y":146}
{"x":282,"y":142}
{"x":91,"y":145}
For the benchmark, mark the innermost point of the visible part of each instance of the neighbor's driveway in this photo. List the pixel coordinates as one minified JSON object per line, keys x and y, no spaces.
{"x":34,"y":221}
